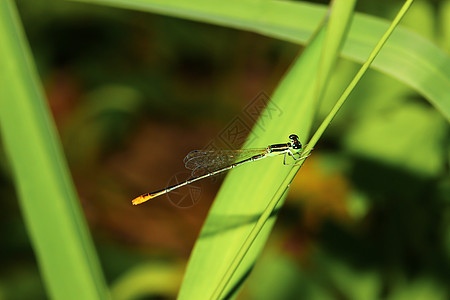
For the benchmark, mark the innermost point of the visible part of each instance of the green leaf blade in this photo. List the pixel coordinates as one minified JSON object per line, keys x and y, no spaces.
{"x":247,"y":190}
{"x":249,"y":196}
{"x":423,"y":66}
{"x":47,"y":197}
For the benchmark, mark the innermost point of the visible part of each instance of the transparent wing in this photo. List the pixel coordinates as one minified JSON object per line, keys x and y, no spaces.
{"x":204,"y":161}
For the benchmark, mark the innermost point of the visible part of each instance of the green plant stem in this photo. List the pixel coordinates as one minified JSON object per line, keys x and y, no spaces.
{"x":286,"y":183}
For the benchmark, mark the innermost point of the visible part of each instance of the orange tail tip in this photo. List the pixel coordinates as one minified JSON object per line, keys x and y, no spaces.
{"x":141,"y":199}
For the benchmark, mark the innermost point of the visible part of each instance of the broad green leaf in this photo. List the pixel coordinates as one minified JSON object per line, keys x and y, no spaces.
{"x":48,"y":200}
{"x":246,"y":191}
{"x":237,"y":267}
{"x":252,"y":194}
{"x":407,"y":56}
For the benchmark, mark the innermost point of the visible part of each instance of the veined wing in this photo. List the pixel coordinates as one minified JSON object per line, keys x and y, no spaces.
{"x":203,"y":161}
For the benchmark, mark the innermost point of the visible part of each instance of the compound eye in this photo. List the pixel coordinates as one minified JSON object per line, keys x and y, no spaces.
{"x":295,"y":143}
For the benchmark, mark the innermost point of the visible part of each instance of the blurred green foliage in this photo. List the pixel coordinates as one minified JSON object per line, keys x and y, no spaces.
{"x":132,"y":93}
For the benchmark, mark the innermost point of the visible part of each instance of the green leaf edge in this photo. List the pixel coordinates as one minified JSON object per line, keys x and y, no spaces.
{"x":53,"y":216}
{"x":425,"y":69}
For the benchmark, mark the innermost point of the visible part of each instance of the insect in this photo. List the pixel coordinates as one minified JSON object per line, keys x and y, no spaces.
{"x":218,"y":161}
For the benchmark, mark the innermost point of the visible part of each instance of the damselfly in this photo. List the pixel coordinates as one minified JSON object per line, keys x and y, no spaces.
{"x":217,"y":161}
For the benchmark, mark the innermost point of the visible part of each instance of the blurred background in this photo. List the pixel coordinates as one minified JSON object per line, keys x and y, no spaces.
{"x":368,"y":216}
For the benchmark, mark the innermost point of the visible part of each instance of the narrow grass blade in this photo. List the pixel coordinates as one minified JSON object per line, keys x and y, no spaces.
{"x":336,"y":29}
{"x":58,"y":232}
{"x":358,"y":76}
{"x":422,"y":65}
{"x":283,"y":188}
{"x":246,"y":192}
{"x":313,"y":141}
